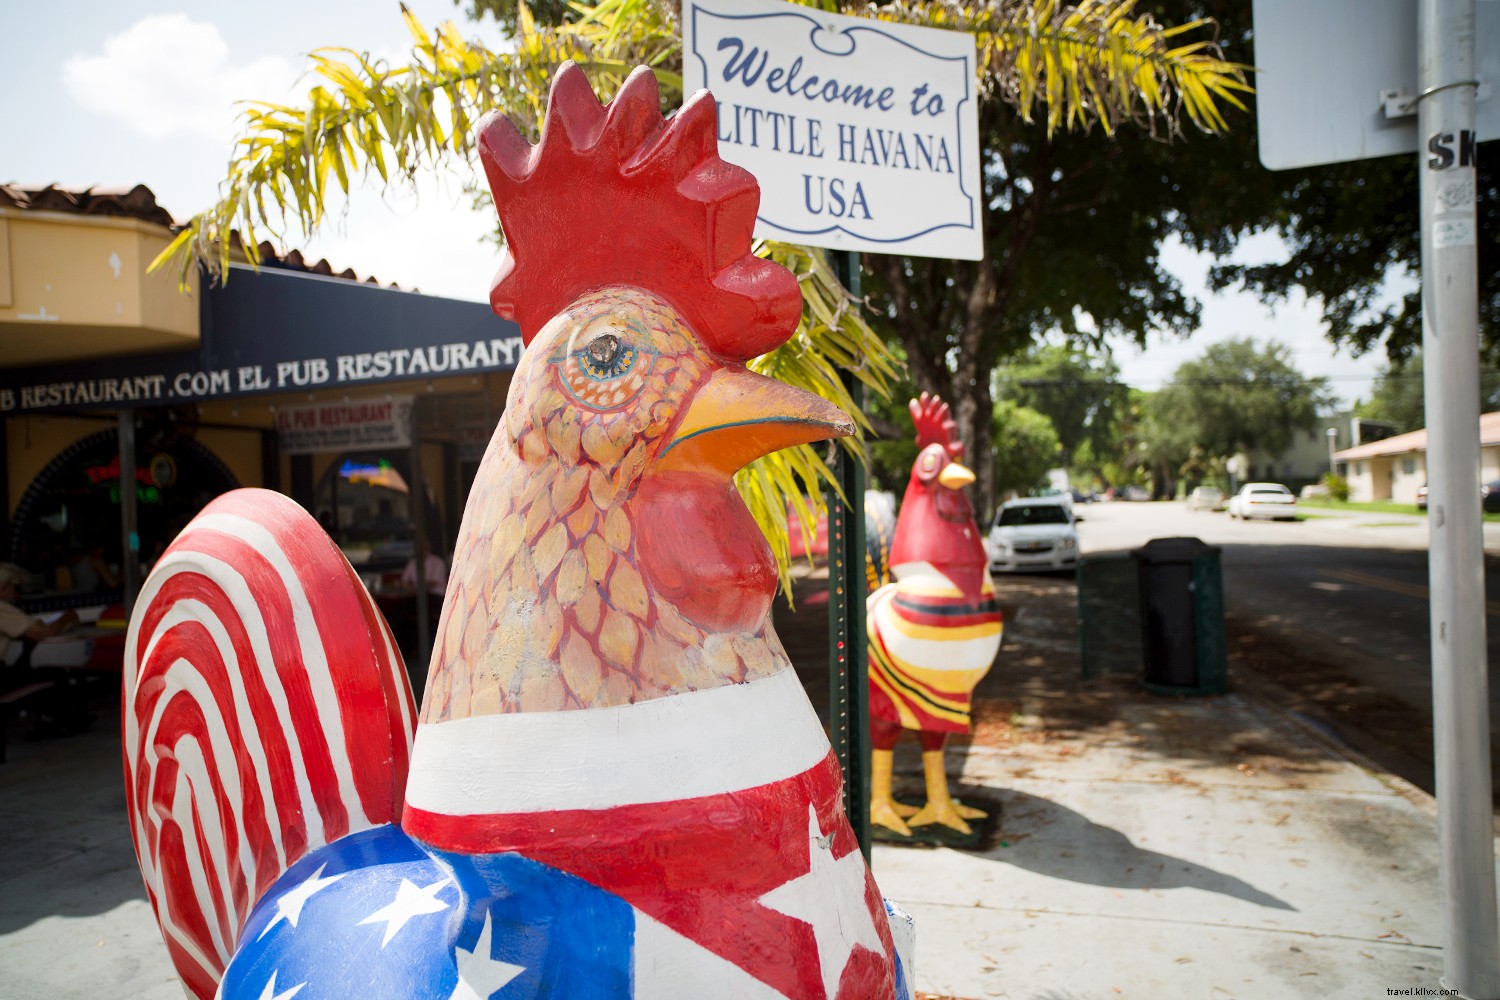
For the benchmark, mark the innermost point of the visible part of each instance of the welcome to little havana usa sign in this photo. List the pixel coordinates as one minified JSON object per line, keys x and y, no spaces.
{"x":863,"y":135}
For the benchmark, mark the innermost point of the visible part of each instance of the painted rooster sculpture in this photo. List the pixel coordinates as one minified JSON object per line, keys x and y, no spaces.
{"x":934,"y":632}
{"x":617,"y":786}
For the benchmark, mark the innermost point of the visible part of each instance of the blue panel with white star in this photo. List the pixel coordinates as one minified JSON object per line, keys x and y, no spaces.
{"x":376,"y":915}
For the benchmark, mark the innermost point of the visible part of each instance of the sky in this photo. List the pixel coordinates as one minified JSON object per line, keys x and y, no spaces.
{"x":126,"y":93}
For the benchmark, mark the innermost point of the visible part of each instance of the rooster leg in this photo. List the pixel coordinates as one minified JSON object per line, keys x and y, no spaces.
{"x":884,"y":810}
{"x":940,"y":807}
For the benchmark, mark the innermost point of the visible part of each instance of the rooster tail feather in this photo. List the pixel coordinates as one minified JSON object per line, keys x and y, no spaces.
{"x":266,"y":713}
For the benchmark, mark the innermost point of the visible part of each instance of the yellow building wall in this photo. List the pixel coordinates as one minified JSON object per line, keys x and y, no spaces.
{"x":32,"y":442}
{"x":239,"y":450}
{"x":76,"y":286}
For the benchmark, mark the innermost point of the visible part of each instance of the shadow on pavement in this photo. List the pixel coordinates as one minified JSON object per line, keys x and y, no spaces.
{"x":1055,"y":841}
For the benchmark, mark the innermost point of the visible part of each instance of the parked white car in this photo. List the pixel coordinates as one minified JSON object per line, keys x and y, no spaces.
{"x":1206,"y":498}
{"x":1033,"y":533}
{"x":1264,"y":500}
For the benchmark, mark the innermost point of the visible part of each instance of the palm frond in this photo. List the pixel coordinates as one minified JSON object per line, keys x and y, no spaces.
{"x":1095,"y":62}
{"x":367,"y":122}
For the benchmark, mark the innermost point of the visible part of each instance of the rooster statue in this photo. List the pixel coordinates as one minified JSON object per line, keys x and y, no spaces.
{"x":933,"y":632}
{"x":617,"y":787}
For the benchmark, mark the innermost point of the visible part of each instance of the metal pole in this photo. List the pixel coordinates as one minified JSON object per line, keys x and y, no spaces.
{"x":1450,"y":348}
{"x":419,"y":553}
{"x":130,"y":532}
{"x":849,"y":694}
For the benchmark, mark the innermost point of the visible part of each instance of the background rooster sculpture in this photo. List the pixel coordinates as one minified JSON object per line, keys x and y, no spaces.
{"x":617,"y":787}
{"x":935,"y":631}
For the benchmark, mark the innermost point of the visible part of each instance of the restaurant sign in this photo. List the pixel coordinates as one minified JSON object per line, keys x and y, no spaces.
{"x":349,"y":426}
{"x":269,"y":333}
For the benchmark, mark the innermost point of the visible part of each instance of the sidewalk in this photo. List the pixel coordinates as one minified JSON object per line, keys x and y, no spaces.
{"x":1147,"y":847}
{"x":1163,"y":847}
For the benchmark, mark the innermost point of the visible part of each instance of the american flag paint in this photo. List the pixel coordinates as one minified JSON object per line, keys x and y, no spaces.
{"x":266,"y":713}
{"x":716,"y":814}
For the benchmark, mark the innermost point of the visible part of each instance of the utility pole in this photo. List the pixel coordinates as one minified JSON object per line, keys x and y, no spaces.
{"x":848,"y":684}
{"x":1446,"y":91}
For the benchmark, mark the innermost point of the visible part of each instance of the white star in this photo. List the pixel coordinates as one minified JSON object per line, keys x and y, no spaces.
{"x":830,"y":897}
{"x":480,"y":975}
{"x":289,"y":906}
{"x":269,"y":993}
{"x":410,"y":902}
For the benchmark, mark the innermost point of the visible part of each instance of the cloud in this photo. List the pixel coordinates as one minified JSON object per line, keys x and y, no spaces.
{"x":168,"y":75}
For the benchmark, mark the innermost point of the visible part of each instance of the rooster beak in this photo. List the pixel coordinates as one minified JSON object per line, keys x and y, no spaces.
{"x":738,"y":416}
{"x":955,"y":476}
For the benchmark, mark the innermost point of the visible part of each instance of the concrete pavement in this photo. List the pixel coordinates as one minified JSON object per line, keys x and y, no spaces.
{"x":1175,"y":848}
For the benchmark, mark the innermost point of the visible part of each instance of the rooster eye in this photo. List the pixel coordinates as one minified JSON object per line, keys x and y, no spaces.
{"x":606,"y":372}
{"x":605,"y":357}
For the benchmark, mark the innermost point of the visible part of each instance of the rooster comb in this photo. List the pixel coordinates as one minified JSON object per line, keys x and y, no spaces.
{"x":618,"y":196}
{"x":935,"y":425}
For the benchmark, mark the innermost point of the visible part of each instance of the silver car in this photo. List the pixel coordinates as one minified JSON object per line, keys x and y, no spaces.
{"x":1034,"y":533}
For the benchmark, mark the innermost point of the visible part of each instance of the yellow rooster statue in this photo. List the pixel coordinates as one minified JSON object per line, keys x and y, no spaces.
{"x":935,"y":631}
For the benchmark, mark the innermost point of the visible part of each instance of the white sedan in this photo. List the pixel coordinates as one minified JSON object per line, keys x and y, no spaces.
{"x":1264,"y":500}
{"x":1034,"y":533}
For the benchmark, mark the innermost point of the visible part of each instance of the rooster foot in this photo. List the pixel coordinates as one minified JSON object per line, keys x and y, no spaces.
{"x":888,"y":815}
{"x":942,"y":813}
{"x":904,"y":810}
{"x":968,"y":812}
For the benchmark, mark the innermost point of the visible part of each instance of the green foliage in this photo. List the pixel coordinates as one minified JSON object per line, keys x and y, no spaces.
{"x":1235,"y":397}
{"x":1337,"y":486}
{"x":1352,"y":229}
{"x":1398,"y":396}
{"x":1077,"y":389}
{"x":507,"y":12}
{"x":1026,"y":446}
{"x":1073,"y":231}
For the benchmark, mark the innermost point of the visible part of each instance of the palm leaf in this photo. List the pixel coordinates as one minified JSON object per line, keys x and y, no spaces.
{"x":1078,"y":65}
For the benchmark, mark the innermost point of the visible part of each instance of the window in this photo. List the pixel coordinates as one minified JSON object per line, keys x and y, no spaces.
{"x":1049,"y":513}
{"x":1408,"y":466}
{"x":1359,"y":468}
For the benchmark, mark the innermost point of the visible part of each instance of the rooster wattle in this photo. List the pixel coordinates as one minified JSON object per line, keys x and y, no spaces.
{"x":617,"y":787}
{"x":935,"y":631}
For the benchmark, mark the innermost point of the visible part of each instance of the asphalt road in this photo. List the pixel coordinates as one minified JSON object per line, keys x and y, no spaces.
{"x":1344,"y":592}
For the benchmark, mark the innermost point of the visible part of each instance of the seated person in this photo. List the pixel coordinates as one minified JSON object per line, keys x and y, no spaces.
{"x":60,"y":714}
{"x":434,"y":569}
{"x":92,"y":571}
{"x":17,"y":625}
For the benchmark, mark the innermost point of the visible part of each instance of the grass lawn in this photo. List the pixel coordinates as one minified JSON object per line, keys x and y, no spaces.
{"x":1377,"y":507}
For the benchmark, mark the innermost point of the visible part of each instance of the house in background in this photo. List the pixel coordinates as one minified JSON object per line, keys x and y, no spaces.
{"x":1310,"y":455}
{"x":1396,"y":467}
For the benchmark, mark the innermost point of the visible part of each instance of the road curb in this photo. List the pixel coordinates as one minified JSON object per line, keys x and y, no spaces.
{"x":1275,"y":699}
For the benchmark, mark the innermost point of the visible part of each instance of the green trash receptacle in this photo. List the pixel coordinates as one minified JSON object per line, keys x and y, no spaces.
{"x":1109,"y":614}
{"x":1182,"y":617}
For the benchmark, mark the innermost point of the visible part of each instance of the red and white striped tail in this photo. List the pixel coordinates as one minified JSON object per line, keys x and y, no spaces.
{"x":266,"y":713}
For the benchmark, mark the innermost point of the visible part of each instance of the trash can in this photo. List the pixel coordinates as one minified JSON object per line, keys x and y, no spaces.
{"x":1109,"y":614}
{"x":1182,"y":617}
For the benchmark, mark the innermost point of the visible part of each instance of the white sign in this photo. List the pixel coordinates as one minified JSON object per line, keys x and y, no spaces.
{"x":357,"y":424}
{"x":1336,"y":79}
{"x":864,"y":135}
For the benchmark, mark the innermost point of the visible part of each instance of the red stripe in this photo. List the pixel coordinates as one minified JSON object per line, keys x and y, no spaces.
{"x":699,"y":866}
{"x":369,"y":686}
{"x":945,"y":621}
{"x":275,"y":608}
